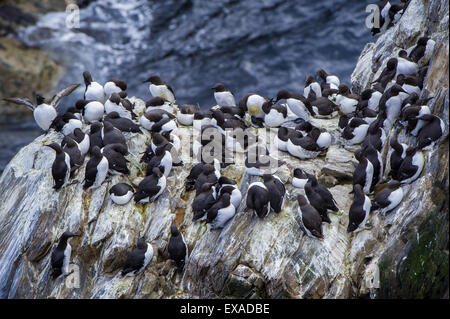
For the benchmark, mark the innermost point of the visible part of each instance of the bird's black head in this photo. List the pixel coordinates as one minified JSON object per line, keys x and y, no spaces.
{"x":219,"y":87}
{"x":174,"y":230}
{"x":423,"y":41}
{"x":403,"y":54}
{"x":283,"y":94}
{"x":113,"y":115}
{"x":158,"y":171}
{"x":87,"y":78}
{"x":392,"y":64}
{"x":301,"y":200}
{"x":107,"y":127}
{"x":309,"y":79}
{"x":96,"y":152}
{"x":225,"y":180}
{"x":95,"y":127}
{"x":343,"y":89}
{"x":157,"y":139}
{"x":40,"y":99}
{"x":322,"y":74}
{"x":55,"y":146}
{"x":123,"y":94}
{"x":115,"y":98}
{"x":67,"y":234}
{"x":69,"y":142}
{"x":80,"y":104}
{"x":154,"y":79}
{"x":396,"y":89}
{"x":141,"y":244}
{"x":121,"y":84}
{"x":267,"y":178}
{"x":366,"y":94}
{"x":155,"y":101}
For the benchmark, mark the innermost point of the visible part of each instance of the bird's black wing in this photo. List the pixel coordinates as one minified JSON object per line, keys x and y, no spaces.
{"x":64,"y":92}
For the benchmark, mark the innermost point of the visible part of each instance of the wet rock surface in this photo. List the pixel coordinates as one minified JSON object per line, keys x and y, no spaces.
{"x":407,"y":250}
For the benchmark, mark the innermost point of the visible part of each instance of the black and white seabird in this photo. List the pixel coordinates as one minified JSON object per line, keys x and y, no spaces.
{"x":388,"y":198}
{"x":422,"y":52}
{"x":44,"y":113}
{"x":391,"y":104}
{"x":122,"y":106}
{"x":227,"y":185}
{"x":363,"y":174}
{"x":121,"y":123}
{"x":160,"y":88}
{"x":332,"y":80}
{"x":346,"y":100}
{"x":411,"y":166}
{"x":312,"y":85}
{"x":323,"y":107}
{"x":66,"y":123}
{"x":397,"y":156}
{"x":277,"y":192}
{"x":60,"y":258}
{"x":252,"y":103}
{"x":405,"y":65}
{"x":121,"y":193}
{"x":359,"y":210}
{"x":177,"y":248}
{"x":370,"y":98}
{"x":205,"y":197}
{"x":138,"y":259}
{"x":114,"y":86}
{"x":258,"y":199}
{"x":151,"y":187}
{"x":96,"y":169}
{"x":376,"y":136}
{"x":223,"y":96}
{"x":297,"y":103}
{"x":324,"y":193}
{"x":76,"y":158}
{"x":410,"y":118}
{"x":94,"y":90}
{"x":410,"y":83}
{"x":117,"y":163}
{"x":310,"y":220}
{"x":304,"y":147}
{"x":300,"y":178}
{"x":82,"y":139}
{"x":153,"y":116}
{"x":283,"y":137}
{"x":274,"y":114}
{"x":388,"y":74}
{"x":355,"y":132}
{"x":431,"y":132}
{"x":185,"y":115}
{"x":162,"y":158}
{"x":374,"y":157}
{"x":60,"y":167}
{"x":320,"y":204}
{"x":112,"y":135}
{"x":220,"y":212}
{"x":92,"y":110}
{"x":95,"y":136}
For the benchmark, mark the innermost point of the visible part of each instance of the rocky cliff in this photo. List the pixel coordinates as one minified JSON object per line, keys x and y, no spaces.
{"x":407,"y":250}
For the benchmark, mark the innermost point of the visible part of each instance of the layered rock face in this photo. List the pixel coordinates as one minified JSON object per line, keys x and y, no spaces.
{"x":404,"y":254}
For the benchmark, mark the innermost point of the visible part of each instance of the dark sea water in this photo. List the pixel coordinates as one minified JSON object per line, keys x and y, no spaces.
{"x":251,"y":46}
